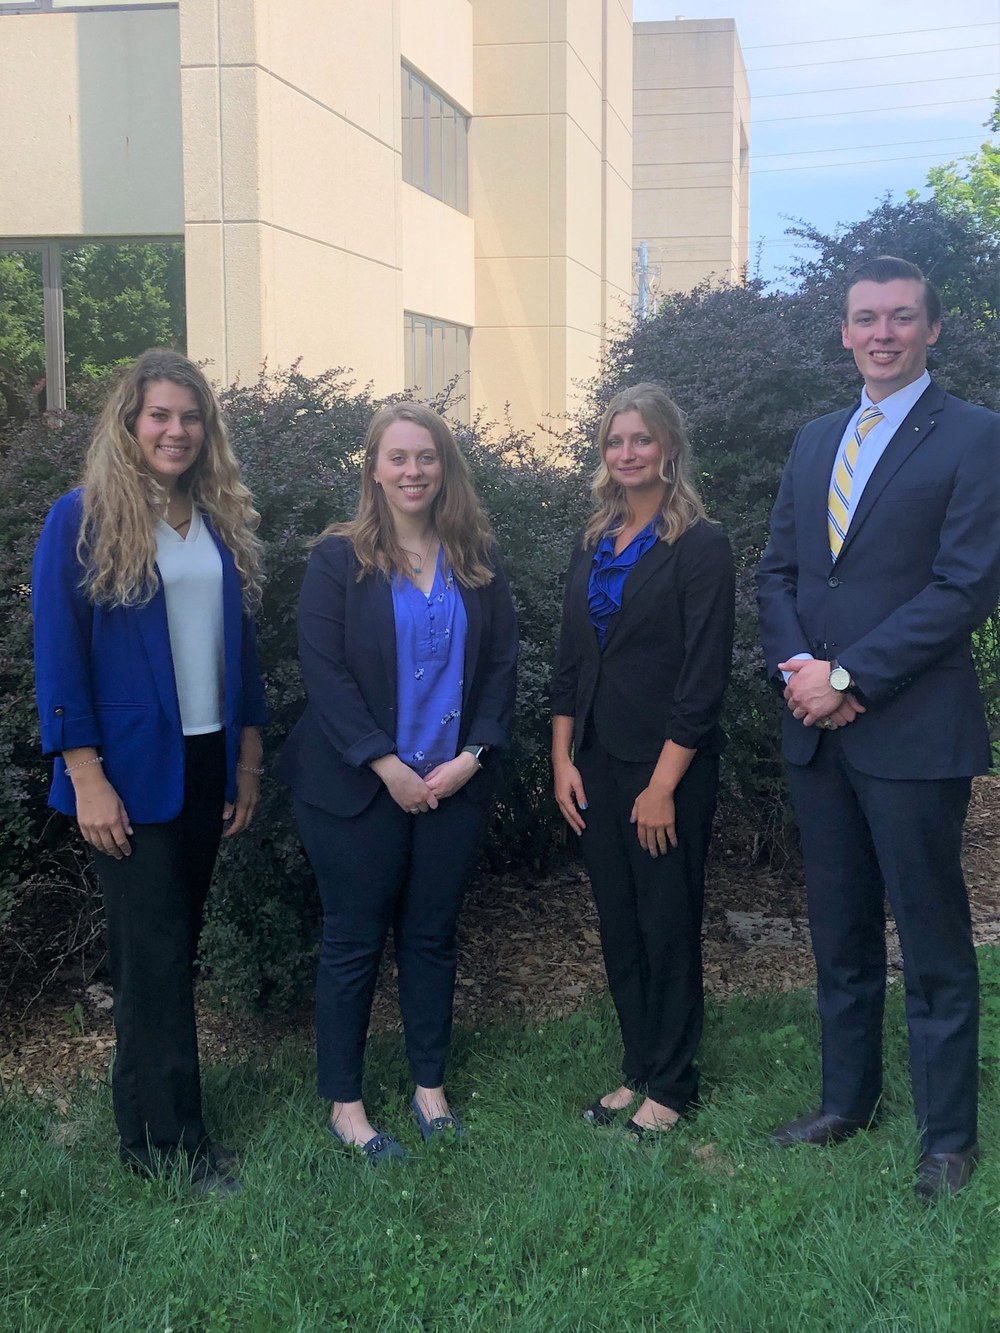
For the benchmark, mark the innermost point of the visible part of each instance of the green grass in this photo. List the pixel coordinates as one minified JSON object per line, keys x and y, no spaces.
{"x":539,"y":1222}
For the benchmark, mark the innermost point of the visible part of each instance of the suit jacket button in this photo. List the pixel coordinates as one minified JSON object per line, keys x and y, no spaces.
{"x":833,"y":581}
{"x":59,"y":711}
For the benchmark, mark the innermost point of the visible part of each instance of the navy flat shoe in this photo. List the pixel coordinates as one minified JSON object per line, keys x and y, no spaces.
{"x":599,"y":1114}
{"x":378,"y":1150}
{"x":438,"y":1126}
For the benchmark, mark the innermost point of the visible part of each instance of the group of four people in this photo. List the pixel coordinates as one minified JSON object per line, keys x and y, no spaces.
{"x":884,"y":557}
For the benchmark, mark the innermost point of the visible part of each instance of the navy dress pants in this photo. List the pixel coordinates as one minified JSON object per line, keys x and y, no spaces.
{"x":378,"y":869}
{"x":864,"y":837}
{"x":650,"y":913}
{"x":153,"y":902}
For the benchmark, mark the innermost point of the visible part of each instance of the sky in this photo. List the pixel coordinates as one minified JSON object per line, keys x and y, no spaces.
{"x":851,"y":100}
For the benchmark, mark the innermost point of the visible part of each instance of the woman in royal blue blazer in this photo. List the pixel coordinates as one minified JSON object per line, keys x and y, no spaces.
{"x":643,"y":661}
{"x":408,"y":645}
{"x":150,"y":701}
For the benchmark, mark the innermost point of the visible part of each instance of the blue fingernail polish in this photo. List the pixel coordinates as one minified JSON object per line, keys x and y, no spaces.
{"x":584,"y":806}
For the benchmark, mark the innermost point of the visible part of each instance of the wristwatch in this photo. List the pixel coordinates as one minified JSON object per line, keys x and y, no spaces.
{"x":477,"y":752}
{"x":840,"y":677}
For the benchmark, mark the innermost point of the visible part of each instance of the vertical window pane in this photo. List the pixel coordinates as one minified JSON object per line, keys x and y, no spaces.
{"x":435,"y":141}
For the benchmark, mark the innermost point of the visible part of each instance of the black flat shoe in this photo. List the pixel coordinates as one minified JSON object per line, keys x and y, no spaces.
{"x":643,"y":1134}
{"x":599,"y":1114}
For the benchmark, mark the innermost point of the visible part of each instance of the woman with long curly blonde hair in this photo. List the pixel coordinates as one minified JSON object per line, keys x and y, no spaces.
{"x":151,"y":703}
{"x":643,"y":660}
{"x":408,"y":646}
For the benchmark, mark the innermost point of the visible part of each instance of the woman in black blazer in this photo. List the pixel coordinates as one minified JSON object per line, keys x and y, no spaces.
{"x":643,"y":661}
{"x":408,"y":645}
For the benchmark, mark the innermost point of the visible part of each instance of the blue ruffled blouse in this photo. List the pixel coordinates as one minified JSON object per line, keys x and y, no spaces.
{"x":430,"y":653}
{"x":609,"y":572}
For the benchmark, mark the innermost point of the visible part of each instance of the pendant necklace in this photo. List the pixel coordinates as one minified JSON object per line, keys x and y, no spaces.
{"x":416,"y":559}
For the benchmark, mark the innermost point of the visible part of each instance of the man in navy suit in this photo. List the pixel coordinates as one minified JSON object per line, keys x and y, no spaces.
{"x":884,"y":557}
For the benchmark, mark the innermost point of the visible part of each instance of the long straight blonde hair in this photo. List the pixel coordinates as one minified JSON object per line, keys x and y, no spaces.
{"x":457,"y":516}
{"x":122,"y":498}
{"x":682,"y":506}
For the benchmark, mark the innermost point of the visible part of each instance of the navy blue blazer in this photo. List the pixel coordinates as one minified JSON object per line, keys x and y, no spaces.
{"x":919,"y":571}
{"x":347,"y":650}
{"x":667,"y":655}
{"x":104,"y":676}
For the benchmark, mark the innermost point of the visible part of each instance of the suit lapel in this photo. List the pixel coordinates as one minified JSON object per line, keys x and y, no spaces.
{"x":913,"y":430}
{"x":155,"y":633}
{"x":376,"y":591}
{"x":473,"y":634}
{"x":656,"y":558}
{"x":818,"y":495}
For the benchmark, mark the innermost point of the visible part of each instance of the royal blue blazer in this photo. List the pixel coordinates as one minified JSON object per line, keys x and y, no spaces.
{"x":104,"y":676}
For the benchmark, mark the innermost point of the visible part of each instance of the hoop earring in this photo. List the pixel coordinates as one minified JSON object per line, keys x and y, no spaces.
{"x":670,"y":471}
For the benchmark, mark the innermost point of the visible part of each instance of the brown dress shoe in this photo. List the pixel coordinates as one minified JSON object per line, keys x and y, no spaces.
{"x":818,"y":1128}
{"x":944,"y":1173}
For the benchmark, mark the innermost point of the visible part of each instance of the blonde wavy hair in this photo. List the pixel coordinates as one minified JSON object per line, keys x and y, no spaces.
{"x":457,"y":516}
{"x":122,"y":498}
{"x":682,"y":506}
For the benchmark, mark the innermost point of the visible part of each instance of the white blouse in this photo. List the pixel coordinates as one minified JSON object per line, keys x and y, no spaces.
{"x":191,"y":572}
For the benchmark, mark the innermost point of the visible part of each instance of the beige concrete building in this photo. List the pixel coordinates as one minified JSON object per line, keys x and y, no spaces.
{"x":414,"y":189}
{"x":691,"y":155}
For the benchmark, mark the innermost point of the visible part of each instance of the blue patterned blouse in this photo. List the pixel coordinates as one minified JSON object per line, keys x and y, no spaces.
{"x":430,"y":652}
{"x":609,"y":572}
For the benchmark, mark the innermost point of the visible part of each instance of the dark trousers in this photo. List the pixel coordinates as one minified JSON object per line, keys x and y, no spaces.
{"x":863,"y":837}
{"x":650,"y":915}
{"x":382,"y":868}
{"x":154,"y":901}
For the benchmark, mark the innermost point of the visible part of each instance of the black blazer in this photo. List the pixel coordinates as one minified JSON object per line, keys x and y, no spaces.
{"x":347,"y":651}
{"x":667,"y":655}
{"x":919,"y":570}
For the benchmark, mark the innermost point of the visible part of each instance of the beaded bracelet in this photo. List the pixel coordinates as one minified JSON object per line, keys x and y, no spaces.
{"x":248,"y":768}
{"x":84,"y":763}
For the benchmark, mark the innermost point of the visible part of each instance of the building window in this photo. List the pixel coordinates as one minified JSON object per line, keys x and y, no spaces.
{"x":436,"y":358}
{"x":435,"y":143}
{"x":80,"y":6}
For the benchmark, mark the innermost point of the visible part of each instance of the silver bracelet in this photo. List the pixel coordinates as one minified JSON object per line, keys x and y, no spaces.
{"x":71,"y":768}
{"x":248,"y":768}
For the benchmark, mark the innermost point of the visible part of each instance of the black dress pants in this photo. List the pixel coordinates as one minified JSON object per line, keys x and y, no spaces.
{"x":862,"y":838}
{"x":650,"y":913}
{"x":381,"y":868}
{"x":153,"y":902}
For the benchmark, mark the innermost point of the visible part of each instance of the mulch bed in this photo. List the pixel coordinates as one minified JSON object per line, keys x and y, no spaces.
{"x":527,"y":950}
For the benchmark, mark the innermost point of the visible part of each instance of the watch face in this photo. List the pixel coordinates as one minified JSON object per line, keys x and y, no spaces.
{"x":840,"y":678}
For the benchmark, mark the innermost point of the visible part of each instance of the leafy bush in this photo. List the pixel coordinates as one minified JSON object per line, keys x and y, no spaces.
{"x":299,"y":442}
{"x":747,"y":365}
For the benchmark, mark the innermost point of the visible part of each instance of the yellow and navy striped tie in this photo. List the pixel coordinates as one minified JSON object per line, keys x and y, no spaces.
{"x":838,"y":505}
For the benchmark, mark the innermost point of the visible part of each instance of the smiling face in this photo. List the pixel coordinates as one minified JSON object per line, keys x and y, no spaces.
{"x":408,"y":469}
{"x":888,"y":331}
{"x":633,"y":456}
{"x":169,"y":430}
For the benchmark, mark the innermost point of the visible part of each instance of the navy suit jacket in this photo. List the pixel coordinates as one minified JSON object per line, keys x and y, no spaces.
{"x":104,"y":676}
{"x":918,"y":572}
{"x":347,"y":650}
{"x":667,"y":654}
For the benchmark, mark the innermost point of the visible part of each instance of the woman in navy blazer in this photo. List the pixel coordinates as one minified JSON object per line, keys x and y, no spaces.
{"x":643,"y":661}
{"x":150,"y":701}
{"x":408,"y":645}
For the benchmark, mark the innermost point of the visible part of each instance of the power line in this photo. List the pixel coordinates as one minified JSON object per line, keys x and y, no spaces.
{"x":826,"y":166}
{"x":860,"y":87}
{"x":866,"y":111}
{"x":855,"y":147}
{"x":867,"y":37}
{"x":856,"y":60}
